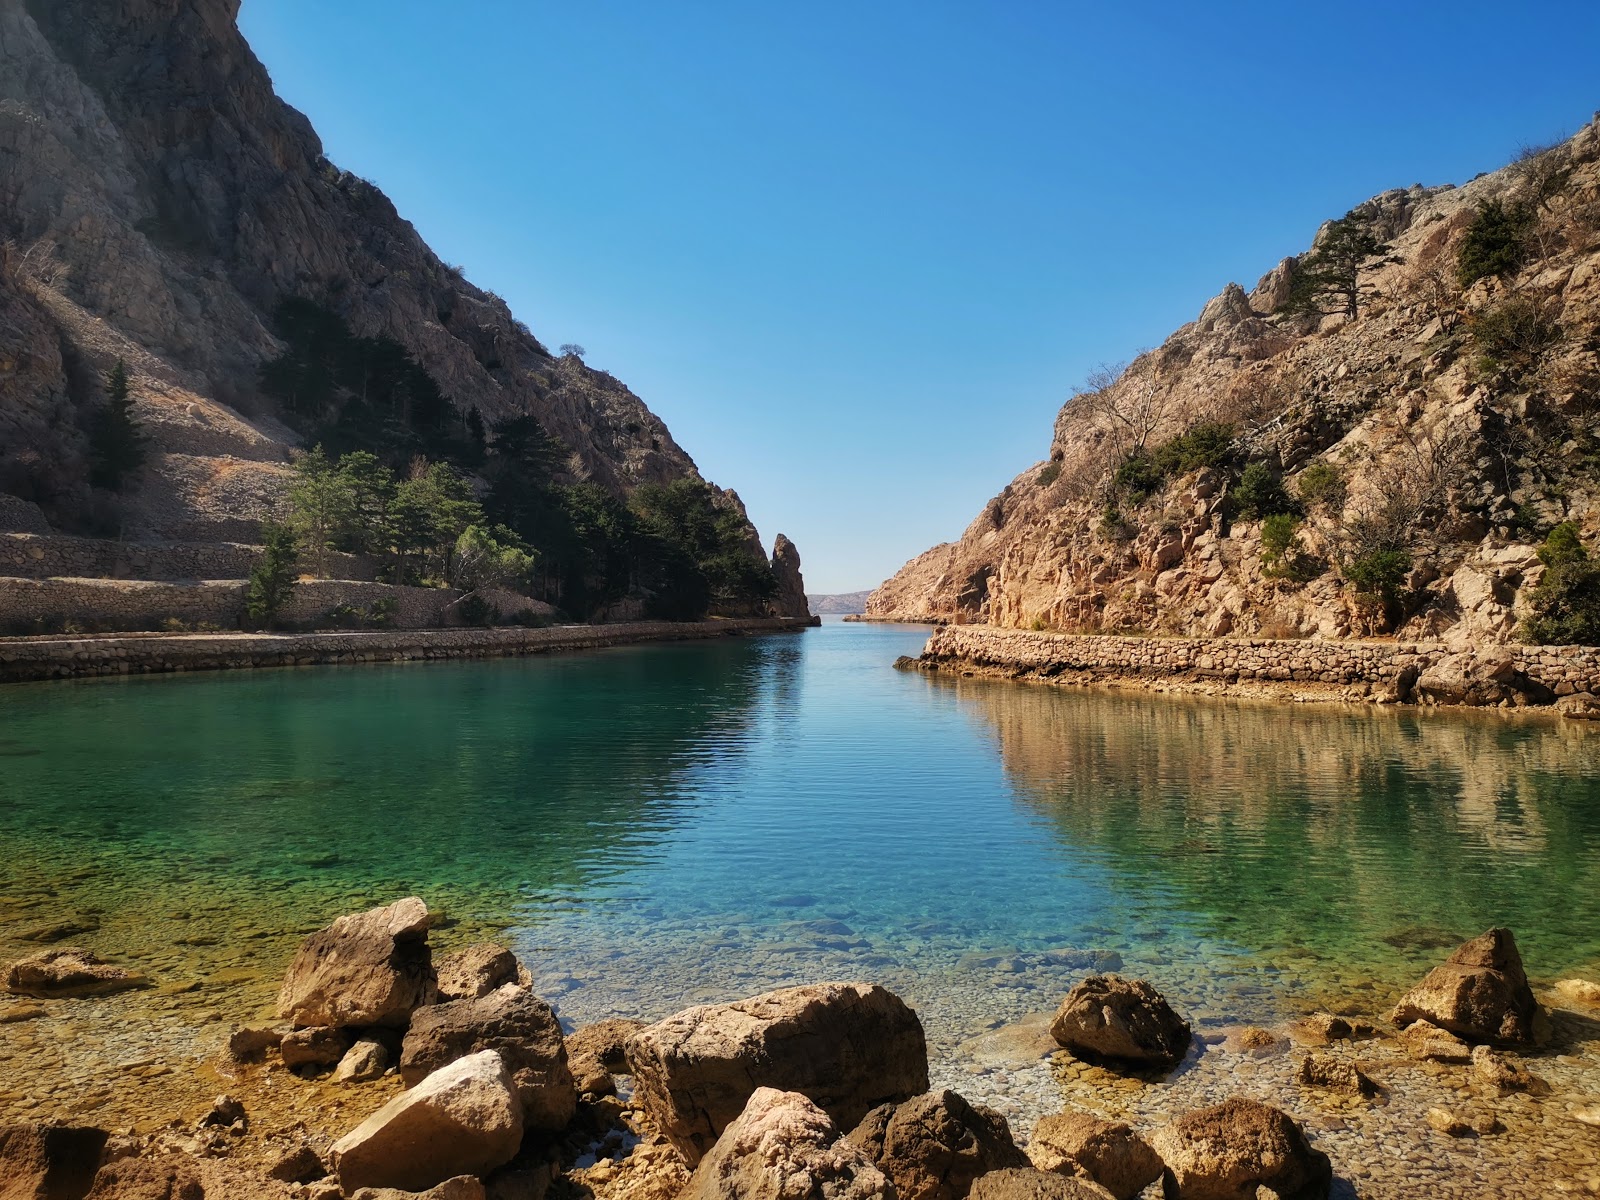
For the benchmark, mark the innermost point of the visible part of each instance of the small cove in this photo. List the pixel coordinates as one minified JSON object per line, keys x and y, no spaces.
{"x":658,"y":825}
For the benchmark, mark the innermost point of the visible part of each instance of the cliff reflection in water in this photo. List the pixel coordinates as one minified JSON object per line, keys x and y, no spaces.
{"x":1363,"y":835}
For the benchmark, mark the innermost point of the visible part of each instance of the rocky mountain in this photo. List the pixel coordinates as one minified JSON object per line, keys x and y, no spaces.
{"x":845,"y":603}
{"x":1376,"y":439}
{"x":159,"y":204}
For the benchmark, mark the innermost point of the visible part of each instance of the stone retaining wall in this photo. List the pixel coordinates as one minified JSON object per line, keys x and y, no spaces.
{"x":34,"y":556}
{"x":134,"y":604}
{"x":1383,"y":672}
{"x":61,"y":657}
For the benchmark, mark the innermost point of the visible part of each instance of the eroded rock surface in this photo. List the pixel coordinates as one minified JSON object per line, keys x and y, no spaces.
{"x":48,"y":1162}
{"x":372,"y":968}
{"x":847,"y":1046}
{"x":69,"y":972}
{"x":933,"y":1146}
{"x":520,"y":1027}
{"x":1479,"y":993}
{"x":781,"y":1146}
{"x":1230,"y":1150}
{"x":478,"y":970}
{"x":1124,"y":1020}
{"x":1027,"y":1184}
{"x":464,"y":1119}
{"x":598,"y":1052}
{"x":1108,"y":1152}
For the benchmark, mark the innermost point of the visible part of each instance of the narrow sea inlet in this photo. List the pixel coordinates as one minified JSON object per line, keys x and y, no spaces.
{"x":655,"y":826}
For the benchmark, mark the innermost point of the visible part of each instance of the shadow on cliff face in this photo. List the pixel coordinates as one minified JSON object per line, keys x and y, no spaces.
{"x":1361,"y":835}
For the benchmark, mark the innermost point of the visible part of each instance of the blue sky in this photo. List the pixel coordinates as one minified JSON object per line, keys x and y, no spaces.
{"x":857,"y":254}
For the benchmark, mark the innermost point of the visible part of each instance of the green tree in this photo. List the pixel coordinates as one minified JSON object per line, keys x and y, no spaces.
{"x":117,"y":443}
{"x":321,"y":505}
{"x":1328,"y":278}
{"x":1322,"y":485}
{"x":430,"y":511}
{"x":491,"y":557}
{"x":1495,"y":243}
{"x":272,"y":580}
{"x":370,"y":490}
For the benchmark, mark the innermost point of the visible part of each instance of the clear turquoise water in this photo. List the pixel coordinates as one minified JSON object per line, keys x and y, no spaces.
{"x":658,"y":824}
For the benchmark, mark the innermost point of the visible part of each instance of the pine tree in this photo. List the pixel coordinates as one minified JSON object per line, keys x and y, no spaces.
{"x":273,"y":579}
{"x":1327,"y":280}
{"x":116,"y":441}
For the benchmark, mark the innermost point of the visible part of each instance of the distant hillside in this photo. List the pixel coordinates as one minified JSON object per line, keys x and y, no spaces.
{"x":1377,"y":439}
{"x":843,"y":604}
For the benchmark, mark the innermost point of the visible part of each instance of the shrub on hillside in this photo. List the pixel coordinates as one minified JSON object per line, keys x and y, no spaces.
{"x":1260,"y":493}
{"x":1564,"y":609}
{"x":1322,"y":486}
{"x":1282,"y":554}
{"x":1378,"y":575}
{"x":1513,"y":335}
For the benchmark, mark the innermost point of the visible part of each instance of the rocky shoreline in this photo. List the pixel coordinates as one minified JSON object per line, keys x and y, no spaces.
{"x":1565,"y":679}
{"x":393,"y":1070}
{"x":36,"y":658}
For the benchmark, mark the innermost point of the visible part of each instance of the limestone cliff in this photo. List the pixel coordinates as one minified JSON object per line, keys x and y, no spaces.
{"x":1456,"y":422}
{"x":157,"y":203}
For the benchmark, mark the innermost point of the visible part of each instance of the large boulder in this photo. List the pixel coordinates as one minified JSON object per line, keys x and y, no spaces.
{"x":50,"y":1162}
{"x":56,"y":974}
{"x":933,"y":1146}
{"x":462,"y":1187}
{"x":1126,"y":1020}
{"x":1108,"y":1152}
{"x":1228,"y":1151}
{"x":1028,"y":1184}
{"x":847,"y":1046}
{"x":372,"y":968}
{"x":1479,"y":993}
{"x":465,"y":1119}
{"x":790,"y":598}
{"x":598,"y":1052}
{"x":478,"y":970}
{"x":781,"y":1146}
{"x":512,"y":1021}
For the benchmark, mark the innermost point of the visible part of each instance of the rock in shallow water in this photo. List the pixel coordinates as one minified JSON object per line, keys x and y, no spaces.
{"x":597,"y":1052}
{"x":478,"y":970}
{"x":68,"y":972}
{"x":512,"y":1021}
{"x":1479,"y":993}
{"x":372,"y":968}
{"x":465,"y":1119}
{"x":849,"y":1047}
{"x":1124,"y":1020}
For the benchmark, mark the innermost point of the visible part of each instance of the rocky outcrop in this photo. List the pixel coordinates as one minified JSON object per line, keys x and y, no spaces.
{"x":781,"y":1146}
{"x":1122,"y":1020}
{"x":372,"y":968}
{"x":847,"y":1046}
{"x":1229,"y":1151}
{"x":1108,"y":1152}
{"x":49,"y":1162}
{"x":511,"y":1021}
{"x":790,"y":598}
{"x":314,"y":1046}
{"x":1398,"y":416}
{"x":69,"y":972}
{"x":933,"y":1147}
{"x":1479,"y":993}
{"x":464,"y":1119}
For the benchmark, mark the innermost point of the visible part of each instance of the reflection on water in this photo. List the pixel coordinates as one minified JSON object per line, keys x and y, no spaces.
{"x":753,"y":812}
{"x":1352,"y":833}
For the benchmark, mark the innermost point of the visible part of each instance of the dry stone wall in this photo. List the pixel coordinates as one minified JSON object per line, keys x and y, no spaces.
{"x":63,"y":657}
{"x":36,"y":556}
{"x":1383,"y":672}
{"x":141,"y":604}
